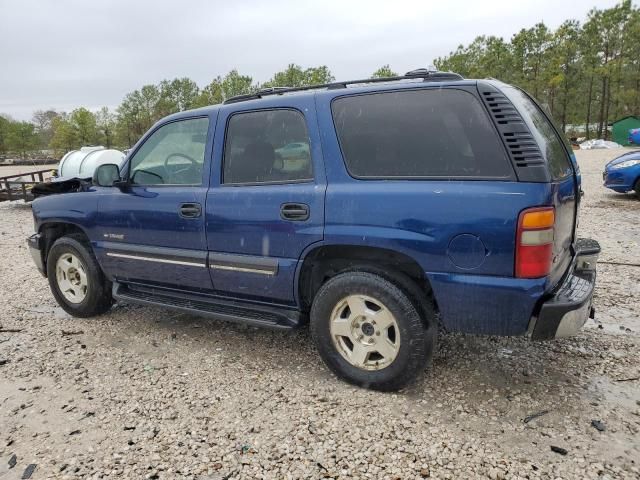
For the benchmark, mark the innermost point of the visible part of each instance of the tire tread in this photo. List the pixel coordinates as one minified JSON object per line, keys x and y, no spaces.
{"x":422,"y":331}
{"x":99,"y":298}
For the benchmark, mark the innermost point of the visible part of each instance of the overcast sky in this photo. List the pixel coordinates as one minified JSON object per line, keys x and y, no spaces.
{"x":67,"y":53}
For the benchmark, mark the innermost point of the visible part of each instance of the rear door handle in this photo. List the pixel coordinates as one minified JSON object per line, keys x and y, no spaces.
{"x":190,"y":210}
{"x":294,"y":211}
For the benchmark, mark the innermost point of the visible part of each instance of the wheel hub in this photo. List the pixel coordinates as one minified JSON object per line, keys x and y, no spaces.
{"x":367,"y":329}
{"x":71,"y":278}
{"x":365,"y":332}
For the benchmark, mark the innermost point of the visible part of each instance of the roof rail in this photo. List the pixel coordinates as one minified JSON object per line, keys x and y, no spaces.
{"x":426,"y":75}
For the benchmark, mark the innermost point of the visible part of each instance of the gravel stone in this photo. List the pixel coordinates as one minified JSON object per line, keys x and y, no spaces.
{"x":175,"y":396}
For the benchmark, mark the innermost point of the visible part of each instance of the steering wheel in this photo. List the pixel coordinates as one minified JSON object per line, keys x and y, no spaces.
{"x":170,"y":174}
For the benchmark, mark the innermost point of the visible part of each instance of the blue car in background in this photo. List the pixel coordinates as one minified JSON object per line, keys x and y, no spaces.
{"x":622,"y":174}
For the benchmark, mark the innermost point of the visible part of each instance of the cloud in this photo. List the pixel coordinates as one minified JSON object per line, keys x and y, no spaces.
{"x":67,"y":53}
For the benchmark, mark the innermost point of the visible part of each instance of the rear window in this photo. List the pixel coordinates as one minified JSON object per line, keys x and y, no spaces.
{"x":548,"y":140}
{"x":418,"y":133}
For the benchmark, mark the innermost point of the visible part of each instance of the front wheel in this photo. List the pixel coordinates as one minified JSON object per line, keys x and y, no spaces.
{"x":636,"y":188}
{"x":75,"y":278}
{"x":369,"y":332}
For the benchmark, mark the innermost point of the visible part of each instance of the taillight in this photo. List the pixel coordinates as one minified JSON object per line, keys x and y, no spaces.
{"x":534,"y":242}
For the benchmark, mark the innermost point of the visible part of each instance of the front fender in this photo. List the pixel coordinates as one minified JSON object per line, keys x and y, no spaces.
{"x":78,"y":209}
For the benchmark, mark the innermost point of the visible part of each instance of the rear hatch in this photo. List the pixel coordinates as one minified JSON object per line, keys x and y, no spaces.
{"x":564,"y":177}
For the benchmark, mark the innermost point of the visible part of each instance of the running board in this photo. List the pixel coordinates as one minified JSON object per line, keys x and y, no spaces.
{"x":229,"y":310}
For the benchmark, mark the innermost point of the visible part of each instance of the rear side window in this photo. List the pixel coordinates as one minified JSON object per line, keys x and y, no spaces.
{"x":548,"y":140}
{"x":418,"y":133}
{"x":267,"y":146}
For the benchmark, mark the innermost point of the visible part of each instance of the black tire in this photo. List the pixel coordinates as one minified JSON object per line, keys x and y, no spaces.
{"x":417,"y":334}
{"x":636,"y":188}
{"x":97,"y":299}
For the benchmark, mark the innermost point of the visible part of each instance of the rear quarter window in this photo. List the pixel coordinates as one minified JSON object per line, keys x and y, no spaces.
{"x":551,"y":145}
{"x":418,"y":134}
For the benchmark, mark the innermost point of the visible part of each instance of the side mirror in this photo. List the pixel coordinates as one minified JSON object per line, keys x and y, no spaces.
{"x":106,"y":175}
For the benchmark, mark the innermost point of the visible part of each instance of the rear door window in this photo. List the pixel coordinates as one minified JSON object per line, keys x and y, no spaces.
{"x":267,"y":146}
{"x":550,"y":143}
{"x":419,"y":134}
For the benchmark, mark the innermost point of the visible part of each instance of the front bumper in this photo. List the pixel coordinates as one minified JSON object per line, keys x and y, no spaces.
{"x":567,"y":310}
{"x":35,"y":248}
{"x":619,"y":181}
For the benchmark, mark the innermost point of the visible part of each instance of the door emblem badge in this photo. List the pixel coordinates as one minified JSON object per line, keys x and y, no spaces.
{"x":114,"y":236}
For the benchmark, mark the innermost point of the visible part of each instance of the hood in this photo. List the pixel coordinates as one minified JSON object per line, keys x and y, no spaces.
{"x":634,"y":155}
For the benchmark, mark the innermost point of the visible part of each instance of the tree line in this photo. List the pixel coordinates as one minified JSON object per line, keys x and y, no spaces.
{"x":586,"y":74}
{"x":139,"y":110}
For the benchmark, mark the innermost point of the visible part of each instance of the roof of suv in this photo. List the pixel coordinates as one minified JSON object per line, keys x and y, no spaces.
{"x":415,"y":77}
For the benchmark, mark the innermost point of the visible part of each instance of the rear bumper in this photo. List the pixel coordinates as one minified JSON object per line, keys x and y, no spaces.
{"x":34,"y":243}
{"x":569,"y":307}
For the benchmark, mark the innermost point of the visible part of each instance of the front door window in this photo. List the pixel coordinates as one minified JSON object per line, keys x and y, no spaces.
{"x":172,"y":155}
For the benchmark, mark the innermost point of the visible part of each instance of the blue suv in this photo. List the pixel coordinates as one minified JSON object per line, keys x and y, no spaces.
{"x":374,"y":210}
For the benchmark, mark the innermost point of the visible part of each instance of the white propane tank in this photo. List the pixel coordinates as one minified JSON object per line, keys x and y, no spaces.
{"x":82,"y":163}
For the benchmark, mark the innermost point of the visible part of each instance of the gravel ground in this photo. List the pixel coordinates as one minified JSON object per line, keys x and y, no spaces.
{"x":148,"y":393}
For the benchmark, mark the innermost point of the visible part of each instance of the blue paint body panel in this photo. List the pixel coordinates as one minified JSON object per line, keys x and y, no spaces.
{"x":461,"y":233}
{"x":485,"y":304}
{"x":245,"y":219}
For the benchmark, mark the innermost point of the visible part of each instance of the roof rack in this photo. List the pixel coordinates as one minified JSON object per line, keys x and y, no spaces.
{"x":425,"y":74}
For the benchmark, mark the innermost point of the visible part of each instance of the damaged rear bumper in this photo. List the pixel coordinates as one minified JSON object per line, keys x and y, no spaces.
{"x":569,"y":307}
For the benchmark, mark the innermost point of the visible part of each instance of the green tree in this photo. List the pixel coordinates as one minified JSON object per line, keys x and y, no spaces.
{"x":384,"y":71}
{"x":129,"y":123}
{"x":106,"y":125}
{"x":84,"y":123}
{"x":586,"y":74}
{"x":64,"y":136}
{"x":565,"y":69}
{"x":148,"y":99}
{"x":631,"y":74}
{"x":212,"y":94}
{"x":530,"y":47}
{"x":177,"y":95}
{"x":43,"y":119}
{"x":220,"y":88}
{"x":292,"y":76}
{"x":22,"y":137}
{"x":484,"y":57}
{"x":234,"y":84}
{"x":4,"y":134}
{"x":318,"y":75}
{"x":295,"y":76}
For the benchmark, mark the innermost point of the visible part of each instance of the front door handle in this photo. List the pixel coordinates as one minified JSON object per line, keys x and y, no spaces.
{"x":294,"y":211}
{"x":190,"y":210}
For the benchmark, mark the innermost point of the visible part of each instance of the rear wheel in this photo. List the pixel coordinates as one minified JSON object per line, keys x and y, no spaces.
{"x":369,"y":332}
{"x":75,"y":278}
{"x":636,"y":188}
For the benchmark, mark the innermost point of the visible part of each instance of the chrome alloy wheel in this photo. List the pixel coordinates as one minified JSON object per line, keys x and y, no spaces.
{"x":365,"y":332}
{"x":71,"y":278}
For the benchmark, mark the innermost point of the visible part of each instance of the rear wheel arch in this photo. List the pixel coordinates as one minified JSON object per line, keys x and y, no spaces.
{"x":327,"y":261}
